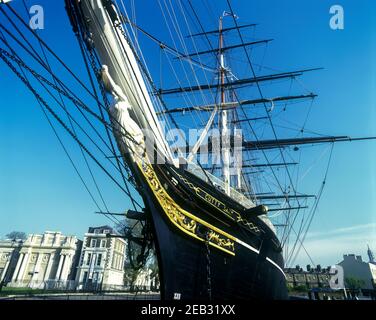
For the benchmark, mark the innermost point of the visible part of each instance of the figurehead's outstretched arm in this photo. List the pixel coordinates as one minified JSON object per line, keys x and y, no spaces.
{"x":111,"y":86}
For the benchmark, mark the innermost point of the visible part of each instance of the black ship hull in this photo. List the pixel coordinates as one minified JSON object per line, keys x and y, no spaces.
{"x":193,"y":265}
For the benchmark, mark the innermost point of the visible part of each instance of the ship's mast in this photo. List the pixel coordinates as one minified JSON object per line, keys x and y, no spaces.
{"x":225,"y":134}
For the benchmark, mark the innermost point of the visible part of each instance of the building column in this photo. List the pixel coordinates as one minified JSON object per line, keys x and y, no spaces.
{"x":2,"y":276}
{"x":37,"y":267}
{"x":47,"y":275}
{"x":66,"y":267}
{"x":61,"y":260}
{"x":20,"y":258}
{"x":25,"y":262}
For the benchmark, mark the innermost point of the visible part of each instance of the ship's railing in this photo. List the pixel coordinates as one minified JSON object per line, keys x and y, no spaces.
{"x":234,"y":194}
{"x":220,"y":184}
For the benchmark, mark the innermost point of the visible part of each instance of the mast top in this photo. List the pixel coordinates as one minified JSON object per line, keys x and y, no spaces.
{"x":223,"y":30}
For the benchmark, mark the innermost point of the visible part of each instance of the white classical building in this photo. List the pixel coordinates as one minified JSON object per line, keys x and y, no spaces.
{"x":47,"y":260}
{"x":9,"y":253}
{"x":102,"y":260}
{"x":353,"y":266}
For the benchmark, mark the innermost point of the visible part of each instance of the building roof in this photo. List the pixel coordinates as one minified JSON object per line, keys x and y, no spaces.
{"x":102,"y":229}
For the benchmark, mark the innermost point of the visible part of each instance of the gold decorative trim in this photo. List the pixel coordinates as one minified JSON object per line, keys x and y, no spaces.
{"x":220,"y":241}
{"x":214,"y":202}
{"x":184,"y":220}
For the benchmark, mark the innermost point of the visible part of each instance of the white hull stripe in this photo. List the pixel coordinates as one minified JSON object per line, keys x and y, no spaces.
{"x":258,"y":252}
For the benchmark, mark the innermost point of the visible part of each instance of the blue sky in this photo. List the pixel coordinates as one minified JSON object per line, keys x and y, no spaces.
{"x":40,"y":191}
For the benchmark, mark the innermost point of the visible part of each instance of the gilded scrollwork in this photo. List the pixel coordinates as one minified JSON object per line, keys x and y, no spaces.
{"x":167,"y":203}
{"x":221,"y":241}
{"x":177,"y":215}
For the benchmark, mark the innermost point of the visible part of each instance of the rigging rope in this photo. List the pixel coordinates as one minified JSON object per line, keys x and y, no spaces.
{"x":69,"y":117}
{"x":314,"y":209}
{"x":59,"y":139}
{"x":273,"y":129}
{"x":61,"y":122}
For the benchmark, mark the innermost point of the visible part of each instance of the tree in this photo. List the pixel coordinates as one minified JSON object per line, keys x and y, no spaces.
{"x":129,"y":229}
{"x":354,"y":283}
{"x":301,"y":288}
{"x":16,"y":235}
{"x":133,"y":230}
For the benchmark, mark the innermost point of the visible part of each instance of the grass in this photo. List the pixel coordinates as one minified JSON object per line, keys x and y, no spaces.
{"x":9,"y":291}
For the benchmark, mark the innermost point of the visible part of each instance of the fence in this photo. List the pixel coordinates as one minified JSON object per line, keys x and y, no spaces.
{"x":53,"y":286}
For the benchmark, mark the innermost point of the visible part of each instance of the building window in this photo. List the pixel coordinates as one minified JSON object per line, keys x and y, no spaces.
{"x":99,"y":259}
{"x":85,"y":277}
{"x":103,"y":243}
{"x":88,"y":258}
{"x":93,"y":243}
{"x":113,"y":261}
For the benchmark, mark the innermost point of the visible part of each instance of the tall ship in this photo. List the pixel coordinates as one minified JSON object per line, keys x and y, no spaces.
{"x":223,"y":211}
